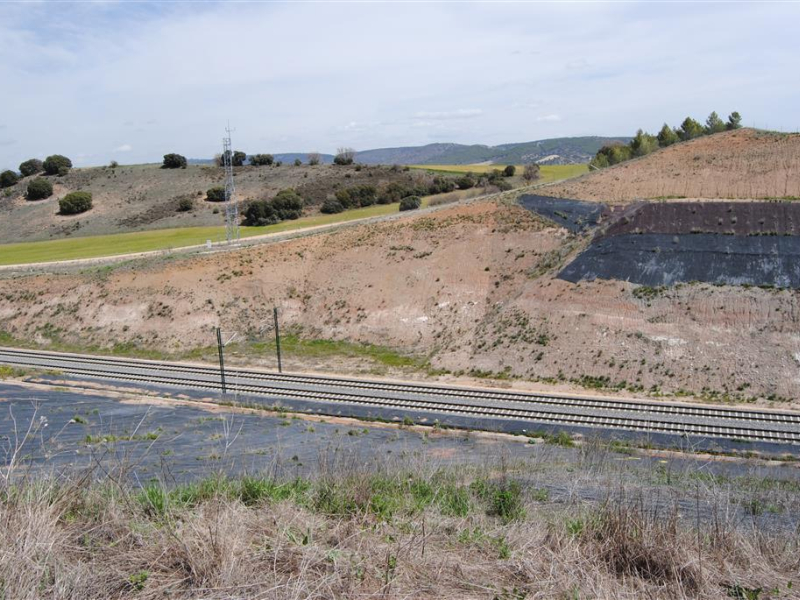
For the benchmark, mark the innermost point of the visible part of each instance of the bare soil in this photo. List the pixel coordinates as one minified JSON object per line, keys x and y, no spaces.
{"x":737,"y":164}
{"x":471,"y":289}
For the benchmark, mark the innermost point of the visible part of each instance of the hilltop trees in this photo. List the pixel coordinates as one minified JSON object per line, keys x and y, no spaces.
{"x":314,"y":158}
{"x":238,"y":158}
{"x":57,"y":164}
{"x":260,"y":160}
{"x":39,"y":188}
{"x":644,"y":143}
{"x":31,"y":167}
{"x":8,"y":178}
{"x":174,"y":161}
{"x":344,"y":156}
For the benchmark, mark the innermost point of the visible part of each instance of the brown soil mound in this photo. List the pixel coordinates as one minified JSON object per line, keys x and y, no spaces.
{"x":470,"y":287}
{"x":737,"y":164}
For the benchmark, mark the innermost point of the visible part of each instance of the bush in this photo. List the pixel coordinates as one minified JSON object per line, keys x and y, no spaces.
{"x":174,"y":161}
{"x":394,"y":192}
{"x":344,"y":156}
{"x":410,"y":203}
{"x":297,"y":162}
{"x":345,"y":199}
{"x":238,"y":158}
{"x":260,"y":160}
{"x":313,"y":158}
{"x":113,"y":164}
{"x":531,"y":172}
{"x":75,"y":203}
{"x":502,"y":185}
{"x":39,"y":188}
{"x":442,"y":185}
{"x":259,"y":213}
{"x":216,"y":194}
{"x":364,"y":195}
{"x":185,"y":204}
{"x":288,"y":205}
{"x":57,"y":165}
{"x":31,"y":167}
{"x":331,"y":206}
{"x":8,"y":178}
{"x":466,"y":182}
{"x":509,"y":171}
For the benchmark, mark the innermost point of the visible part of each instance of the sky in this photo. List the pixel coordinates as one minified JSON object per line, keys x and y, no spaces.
{"x":132,"y":81}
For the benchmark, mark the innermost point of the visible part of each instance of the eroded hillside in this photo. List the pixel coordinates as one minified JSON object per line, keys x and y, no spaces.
{"x":745,"y":163}
{"x":471,"y":289}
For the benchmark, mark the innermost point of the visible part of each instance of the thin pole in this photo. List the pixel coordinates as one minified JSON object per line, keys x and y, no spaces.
{"x":221,"y":359}
{"x":277,"y":338}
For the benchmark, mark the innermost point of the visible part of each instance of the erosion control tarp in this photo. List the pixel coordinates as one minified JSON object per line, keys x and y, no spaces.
{"x":664,"y":259}
{"x":727,"y":218}
{"x":575,"y":215}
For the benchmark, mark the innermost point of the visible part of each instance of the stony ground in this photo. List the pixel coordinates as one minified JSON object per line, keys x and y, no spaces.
{"x":469,"y":291}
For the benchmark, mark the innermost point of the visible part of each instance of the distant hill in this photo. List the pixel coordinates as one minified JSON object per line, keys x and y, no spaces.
{"x":556,"y":151}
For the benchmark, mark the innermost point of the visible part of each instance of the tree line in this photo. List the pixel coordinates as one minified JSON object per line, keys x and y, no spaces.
{"x":644,"y":143}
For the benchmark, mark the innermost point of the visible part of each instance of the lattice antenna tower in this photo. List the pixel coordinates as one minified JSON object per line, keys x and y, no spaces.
{"x":231,"y":202}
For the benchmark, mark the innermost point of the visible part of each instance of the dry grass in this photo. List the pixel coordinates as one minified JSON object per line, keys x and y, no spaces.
{"x":383,"y":532}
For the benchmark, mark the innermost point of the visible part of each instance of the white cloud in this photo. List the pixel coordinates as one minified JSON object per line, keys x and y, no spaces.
{"x":446,"y":115}
{"x":548,"y":119}
{"x":123,"y":148}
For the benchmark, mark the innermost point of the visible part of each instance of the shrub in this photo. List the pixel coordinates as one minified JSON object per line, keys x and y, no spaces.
{"x":75,"y":203}
{"x":238,"y":158}
{"x":113,"y":164}
{"x":288,"y":204}
{"x":260,"y":160}
{"x":313,"y":158}
{"x":344,"y":156}
{"x":297,"y":162}
{"x":216,"y":194}
{"x":259,"y":213}
{"x":410,"y":203}
{"x":442,"y":185}
{"x":509,"y":171}
{"x":364,"y":195}
{"x":503,"y":186}
{"x":531,"y":172}
{"x":57,"y":165}
{"x":345,"y":199}
{"x":394,"y":192}
{"x":8,"y":178}
{"x":31,"y":167}
{"x":466,"y":182}
{"x":185,"y":204}
{"x":174,"y":161}
{"x":39,"y":188}
{"x":331,"y":206}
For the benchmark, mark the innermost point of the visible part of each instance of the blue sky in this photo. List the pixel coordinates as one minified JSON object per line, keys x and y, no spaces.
{"x":133,"y":81}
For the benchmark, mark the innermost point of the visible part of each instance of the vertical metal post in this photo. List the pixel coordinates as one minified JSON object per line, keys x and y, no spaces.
{"x":221,"y":359}
{"x":277,"y":338}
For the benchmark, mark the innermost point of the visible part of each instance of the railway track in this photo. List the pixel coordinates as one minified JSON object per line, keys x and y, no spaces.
{"x":717,"y":422}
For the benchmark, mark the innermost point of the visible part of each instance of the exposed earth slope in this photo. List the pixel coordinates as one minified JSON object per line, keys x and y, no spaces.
{"x":469,"y":289}
{"x":745,"y":163}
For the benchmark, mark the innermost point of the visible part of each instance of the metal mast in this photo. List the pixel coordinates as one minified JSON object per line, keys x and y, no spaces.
{"x":231,"y":203}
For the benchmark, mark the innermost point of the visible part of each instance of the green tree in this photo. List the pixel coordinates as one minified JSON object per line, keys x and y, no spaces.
{"x":174,"y":161}
{"x":75,"y":203}
{"x":57,"y":165}
{"x":297,"y":162}
{"x":734,"y":121}
{"x":410,"y":203}
{"x":344,"y":156}
{"x":261,"y":160}
{"x":643,"y":143}
{"x":509,"y":171}
{"x":667,"y":136}
{"x":216,"y":194}
{"x":238,"y":158}
{"x":345,"y":199}
{"x":8,"y":178}
{"x":30,"y":167}
{"x":288,"y":204}
{"x":39,"y":188}
{"x":331,"y":206}
{"x":466,"y":182}
{"x":259,"y":213}
{"x":714,"y":124}
{"x":690,"y":129}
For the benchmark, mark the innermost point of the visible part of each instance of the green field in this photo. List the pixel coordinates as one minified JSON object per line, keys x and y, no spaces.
{"x":165,"y":239}
{"x":548,"y":173}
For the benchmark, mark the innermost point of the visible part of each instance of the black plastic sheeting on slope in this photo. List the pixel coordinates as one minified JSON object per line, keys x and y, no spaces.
{"x":664,"y":259}
{"x":575,"y":215}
